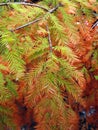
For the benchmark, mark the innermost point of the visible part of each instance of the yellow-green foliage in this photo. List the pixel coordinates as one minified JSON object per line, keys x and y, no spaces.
{"x":42,"y":59}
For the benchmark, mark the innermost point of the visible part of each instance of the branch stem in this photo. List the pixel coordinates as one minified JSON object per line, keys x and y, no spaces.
{"x":55,"y":8}
{"x":27,"y":24}
{"x":35,"y":5}
{"x":49,"y":39}
{"x":23,"y":3}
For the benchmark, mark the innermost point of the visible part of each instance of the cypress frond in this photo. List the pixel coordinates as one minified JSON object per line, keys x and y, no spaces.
{"x":40,"y":48}
{"x":38,"y":83}
{"x":67,"y":52}
{"x":16,"y":64}
{"x":5,"y":94}
{"x":6,"y":122}
{"x":11,"y":87}
{"x":56,"y":28}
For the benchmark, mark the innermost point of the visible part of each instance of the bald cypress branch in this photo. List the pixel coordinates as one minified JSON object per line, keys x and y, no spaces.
{"x":49,"y":38}
{"x":23,"y":3}
{"x":27,"y":24}
{"x":31,"y":4}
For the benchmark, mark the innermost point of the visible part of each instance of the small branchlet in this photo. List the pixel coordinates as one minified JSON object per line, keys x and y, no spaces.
{"x":49,"y":38}
{"x":35,"y":5}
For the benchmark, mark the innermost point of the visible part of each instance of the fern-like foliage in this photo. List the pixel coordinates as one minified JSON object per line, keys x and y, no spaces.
{"x":44,"y":66}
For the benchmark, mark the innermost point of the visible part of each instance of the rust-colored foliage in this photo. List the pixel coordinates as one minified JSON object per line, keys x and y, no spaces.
{"x":49,"y":65}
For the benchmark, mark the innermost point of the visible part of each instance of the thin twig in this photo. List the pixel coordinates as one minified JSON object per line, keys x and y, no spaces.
{"x":55,"y":8}
{"x":49,"y":39}
{"x":30,"y":4}
{"x":94,"y":24}
{"x":27,"y":24}
{"x":23,"y":3}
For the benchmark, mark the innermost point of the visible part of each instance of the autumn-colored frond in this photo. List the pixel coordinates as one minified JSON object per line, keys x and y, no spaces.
{"x":48,"y":65}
